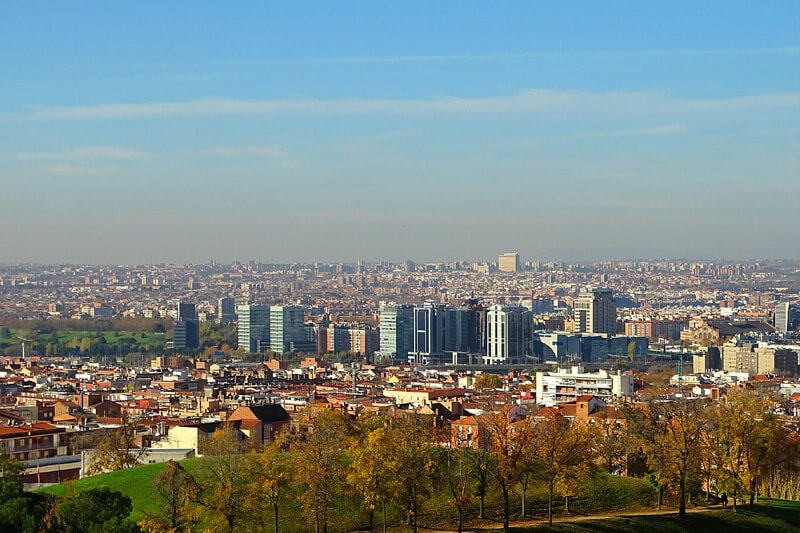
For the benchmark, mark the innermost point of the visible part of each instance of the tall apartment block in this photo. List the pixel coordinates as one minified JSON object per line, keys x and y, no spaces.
{"x":595,"y":311}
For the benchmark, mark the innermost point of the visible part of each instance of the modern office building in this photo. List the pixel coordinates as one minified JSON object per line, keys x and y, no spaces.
{"x":787,"y":316}
{"x":226,"y":310}
{"x":509,"y":335}
{"x":287,"y":332}
{"x":254,"y":328}
{"x":396,"y":324}
{"x":595,"y":311}
{"x":508,"y":262}
{"x":428,"y":332}
{"x":187,"y":311}
{"x":186,"y":333}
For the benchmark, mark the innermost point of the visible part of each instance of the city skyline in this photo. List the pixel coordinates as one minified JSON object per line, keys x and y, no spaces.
{"x":181,"y":133}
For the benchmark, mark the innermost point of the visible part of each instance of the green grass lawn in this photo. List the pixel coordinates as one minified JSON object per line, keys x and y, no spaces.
{"x":154,"y":341}
{"x":136,"y":483}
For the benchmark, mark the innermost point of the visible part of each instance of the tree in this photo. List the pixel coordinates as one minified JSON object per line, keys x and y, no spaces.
{"x":319,"y":459}
{"x":564,"y":450}
{"x":372,"y":468}
{"x":488,"y":381}
{"x":671,"y":434}
{"x":509,"y":437}
{"x":117,"y":450}
{"x":95,"y":511}
{"x":481,"y":470}
{"x":272,"y":473}
{"x":748,"y":440}
{"x":20,"y":511}
{"x":455,"y":466}
{"x":611,"y":443}
{"x":227,"y":478}
{"x":177,"y":488}
{"x":413,"y":436}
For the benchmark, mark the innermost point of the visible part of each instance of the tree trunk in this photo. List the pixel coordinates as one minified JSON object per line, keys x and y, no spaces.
{"x":275,"y":508}
{"x":660,"y":495}
{"x":384,"y":517}
{"x":371,"y":520}
{"x":550,"y":489}
{"x":566,"y":504}
{"x":506,"y":509}
{"x":524,"y":490}
{"x":682,"y":489}
{"x":460,"y":520}
{"x":480,"y":508}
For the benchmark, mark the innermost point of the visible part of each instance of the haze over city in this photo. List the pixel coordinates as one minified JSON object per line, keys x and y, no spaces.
{"x":439,"y":131}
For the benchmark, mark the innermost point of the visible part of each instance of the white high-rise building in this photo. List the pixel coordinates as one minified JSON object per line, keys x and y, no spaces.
{"x":787,"y":316}
{"x":509,"y":333}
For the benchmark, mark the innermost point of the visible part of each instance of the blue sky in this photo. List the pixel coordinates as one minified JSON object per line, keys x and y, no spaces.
{"x":339,"y":131}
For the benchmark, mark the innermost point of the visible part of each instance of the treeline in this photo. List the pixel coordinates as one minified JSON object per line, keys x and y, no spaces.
{"x":54,"y":325}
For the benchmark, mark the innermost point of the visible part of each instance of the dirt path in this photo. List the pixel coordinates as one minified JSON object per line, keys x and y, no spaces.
{"x":582,"y":518}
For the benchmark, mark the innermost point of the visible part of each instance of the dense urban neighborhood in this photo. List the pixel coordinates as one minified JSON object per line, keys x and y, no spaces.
{"x":429,"y":393}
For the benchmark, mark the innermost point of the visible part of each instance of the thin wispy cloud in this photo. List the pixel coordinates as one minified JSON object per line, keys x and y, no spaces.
{"x":84,"y":153}
{"x":650,"y":131}
{"x":437,"y":58}
{"x":547,"y":55}
{"x":65,"y":170}
{"x":543,"y":100}
{"x":269,"y":151}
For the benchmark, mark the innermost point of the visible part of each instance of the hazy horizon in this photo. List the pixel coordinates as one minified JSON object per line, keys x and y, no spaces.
{"x":178,"y":133}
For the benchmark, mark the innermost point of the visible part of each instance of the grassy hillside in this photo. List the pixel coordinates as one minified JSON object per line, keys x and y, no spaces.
{"x":620,"y":494}
{"x":136,"y":483}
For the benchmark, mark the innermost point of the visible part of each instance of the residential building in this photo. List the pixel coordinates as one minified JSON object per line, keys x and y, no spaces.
{"x":595,"y":311}
{"x":568,"y":385}
{"x":32,"y":441}
{"x":707,"y":362}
